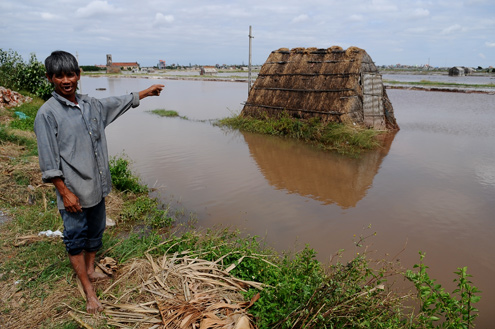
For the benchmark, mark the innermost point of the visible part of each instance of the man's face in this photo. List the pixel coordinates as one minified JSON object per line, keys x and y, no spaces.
{"x":65,"y":84}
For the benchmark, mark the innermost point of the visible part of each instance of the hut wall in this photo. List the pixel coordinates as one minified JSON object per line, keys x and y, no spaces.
{"x":372,"y":100}
{"x":309,"y":82}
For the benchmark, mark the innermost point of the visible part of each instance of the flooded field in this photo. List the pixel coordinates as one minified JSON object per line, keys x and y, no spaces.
{"x":431,"y":188}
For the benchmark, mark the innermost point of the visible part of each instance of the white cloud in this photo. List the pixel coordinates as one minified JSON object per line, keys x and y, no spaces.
{"x":419,"y":29}
{"x":420,"y":13}
{"x":48,"y":16}
{"x":481,"y":55}
{"x":477,"y":2}
{"x":161,"y":19}
{"x":95,"y":8}
{"x":387,"y":29}
{"x":300,"y":18}
{"x":383,"y":6}
{"x":452,"y":29}
{"x":356,"y":18}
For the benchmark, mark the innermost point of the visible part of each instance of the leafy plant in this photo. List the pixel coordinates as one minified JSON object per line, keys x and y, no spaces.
{"x":145,"y":209}
{"x":122,"y":177}
{"x":440,"y":307}
{"x":29,"y":76}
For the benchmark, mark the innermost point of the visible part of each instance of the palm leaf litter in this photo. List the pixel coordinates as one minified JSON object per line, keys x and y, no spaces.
{"x":175,"y":291}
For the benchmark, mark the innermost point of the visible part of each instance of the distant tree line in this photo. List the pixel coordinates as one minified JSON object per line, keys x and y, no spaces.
{"x":91,"y":68}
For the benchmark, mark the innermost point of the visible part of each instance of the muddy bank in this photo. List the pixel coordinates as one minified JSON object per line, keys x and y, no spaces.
{"x":465,"y":90}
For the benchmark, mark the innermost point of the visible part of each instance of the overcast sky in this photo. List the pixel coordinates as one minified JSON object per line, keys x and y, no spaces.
{"x":412,"y":32}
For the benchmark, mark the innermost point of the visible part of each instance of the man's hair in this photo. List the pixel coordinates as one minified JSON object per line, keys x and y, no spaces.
{"x":61,"y":62}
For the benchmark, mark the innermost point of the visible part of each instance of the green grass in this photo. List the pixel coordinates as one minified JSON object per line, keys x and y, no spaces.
{"x":122,"y":177}
{"x":167,"y":113}
{"x":343,"y":138}
{"x":7,"y":135}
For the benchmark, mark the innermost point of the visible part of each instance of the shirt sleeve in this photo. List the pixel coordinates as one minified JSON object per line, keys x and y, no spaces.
{"x":113,"y":107}
{"x":48,"y":150}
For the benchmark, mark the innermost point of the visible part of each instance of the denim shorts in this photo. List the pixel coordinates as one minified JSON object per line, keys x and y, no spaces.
{"x":84,"y":230}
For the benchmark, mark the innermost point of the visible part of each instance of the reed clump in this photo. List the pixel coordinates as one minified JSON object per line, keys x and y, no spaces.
{"x":342,"y":138}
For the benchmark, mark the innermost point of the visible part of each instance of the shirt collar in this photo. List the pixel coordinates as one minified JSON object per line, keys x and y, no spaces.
{"x":64,"y":100}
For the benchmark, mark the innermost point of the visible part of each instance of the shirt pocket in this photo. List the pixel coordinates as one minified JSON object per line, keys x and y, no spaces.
{"x":95,"y":128}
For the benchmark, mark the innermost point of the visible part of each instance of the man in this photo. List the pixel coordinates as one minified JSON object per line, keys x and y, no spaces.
{"x":73,"y":155}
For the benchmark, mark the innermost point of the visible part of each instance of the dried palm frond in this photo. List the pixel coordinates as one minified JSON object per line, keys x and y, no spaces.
{"x":178,"y":291}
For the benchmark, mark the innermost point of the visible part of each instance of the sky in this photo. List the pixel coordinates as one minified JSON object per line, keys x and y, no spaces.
{"x":442,"y":33}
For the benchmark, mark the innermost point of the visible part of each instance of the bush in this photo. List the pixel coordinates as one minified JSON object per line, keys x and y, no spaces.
{"x":19,"y":75}
{"x":122,"y":177}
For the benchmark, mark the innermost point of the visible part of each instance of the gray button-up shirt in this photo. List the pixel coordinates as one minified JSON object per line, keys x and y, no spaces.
{"x":72,"y":144}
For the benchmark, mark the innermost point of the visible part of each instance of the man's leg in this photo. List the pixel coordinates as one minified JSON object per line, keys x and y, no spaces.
{"x":89,"y":258}
{"x":78,"y":262}
{"x":76,"y":237}
{"x":96,"y":218}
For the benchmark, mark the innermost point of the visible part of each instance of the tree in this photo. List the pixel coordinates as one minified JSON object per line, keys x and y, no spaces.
{"x":16,"y":74}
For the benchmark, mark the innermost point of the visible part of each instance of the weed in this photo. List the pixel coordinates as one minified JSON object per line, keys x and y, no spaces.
{"x":7,"y":135}
{"x":343,"y":138}
{"x":21,"y":178}
{"x":165,"y":113}
{"x":168,"y":113}
{"x":145,"y":209}
{"x":438,"y":306}
{"x":122,"y":177}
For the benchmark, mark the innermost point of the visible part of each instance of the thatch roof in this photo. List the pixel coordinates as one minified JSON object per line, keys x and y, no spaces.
{"x":333,"y":84}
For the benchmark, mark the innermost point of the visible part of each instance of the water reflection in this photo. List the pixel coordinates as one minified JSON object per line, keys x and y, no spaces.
{"x":326,"y":177}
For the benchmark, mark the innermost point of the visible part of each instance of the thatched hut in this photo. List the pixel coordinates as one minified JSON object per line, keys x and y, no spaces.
{"x":333,"y":84}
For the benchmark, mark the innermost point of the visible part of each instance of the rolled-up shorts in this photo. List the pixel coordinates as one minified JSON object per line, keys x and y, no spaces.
{"x":84,"y":230}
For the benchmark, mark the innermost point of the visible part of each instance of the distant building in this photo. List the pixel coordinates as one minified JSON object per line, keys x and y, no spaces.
{"x":460,"y":71}
{"x":116,"y":67}
{"x":208,"y":70}
{"x":126,"y":65}
{"x":161,"y":65}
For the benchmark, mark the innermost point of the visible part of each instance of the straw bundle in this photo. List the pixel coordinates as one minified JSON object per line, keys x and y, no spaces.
{"x":178,"y":292}
{"x":311,"y":82}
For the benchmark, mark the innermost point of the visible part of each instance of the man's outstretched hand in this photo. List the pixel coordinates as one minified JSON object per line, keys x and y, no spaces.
{"x":154,"y":90}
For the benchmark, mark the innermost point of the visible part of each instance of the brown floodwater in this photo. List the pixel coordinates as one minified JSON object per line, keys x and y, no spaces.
{"x":431,"y":187}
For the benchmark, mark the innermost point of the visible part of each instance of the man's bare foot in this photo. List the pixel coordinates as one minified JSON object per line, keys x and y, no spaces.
{"x":93,"y":305}
{"x":97,"y":276}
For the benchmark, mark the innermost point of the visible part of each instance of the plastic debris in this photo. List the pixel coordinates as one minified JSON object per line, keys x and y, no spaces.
{"x":51,"y":234}
{"x":110,"y":222}
{"x":21,"y":115}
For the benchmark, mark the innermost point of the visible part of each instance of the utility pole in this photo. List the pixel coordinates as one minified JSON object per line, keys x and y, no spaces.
{"x":80,"y":82}
{"x":249,"y":65}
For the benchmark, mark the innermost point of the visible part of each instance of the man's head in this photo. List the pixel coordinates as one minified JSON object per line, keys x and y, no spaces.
{"x":61,"y":62}
{"x":63,"y":71}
